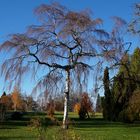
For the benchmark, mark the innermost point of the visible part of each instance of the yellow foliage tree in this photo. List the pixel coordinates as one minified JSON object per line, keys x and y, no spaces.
{"x":17,"y":99}
{"x":77,"y":107}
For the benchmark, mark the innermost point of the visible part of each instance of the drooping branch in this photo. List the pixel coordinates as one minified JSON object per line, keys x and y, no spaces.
{"x":64,"y":40}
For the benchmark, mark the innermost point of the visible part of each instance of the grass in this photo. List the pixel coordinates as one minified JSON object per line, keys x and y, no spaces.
{"x":91,"y":129}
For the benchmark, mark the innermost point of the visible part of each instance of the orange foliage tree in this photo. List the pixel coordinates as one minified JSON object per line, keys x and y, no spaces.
{"x":77,"y":107}
{"x":17,"y":99}
{"x":84,"y":106}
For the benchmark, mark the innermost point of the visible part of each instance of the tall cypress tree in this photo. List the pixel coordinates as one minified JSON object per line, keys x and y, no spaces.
{"x":98,"y":104}
{"x":107,"y":109}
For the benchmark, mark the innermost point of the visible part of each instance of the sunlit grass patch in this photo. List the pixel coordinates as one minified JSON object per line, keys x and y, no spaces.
{"x":91,"y":129}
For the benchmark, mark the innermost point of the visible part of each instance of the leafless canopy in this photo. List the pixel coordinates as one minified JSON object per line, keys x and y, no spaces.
{"x":64,"y":40}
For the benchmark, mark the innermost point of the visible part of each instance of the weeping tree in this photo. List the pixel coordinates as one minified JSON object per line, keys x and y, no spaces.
{"x":134,"y":24}
{"x":59,"y":48}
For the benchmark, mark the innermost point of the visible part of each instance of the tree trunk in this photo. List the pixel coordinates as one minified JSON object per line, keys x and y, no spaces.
{"x":15,"y":107}
{"x":66,"y":101}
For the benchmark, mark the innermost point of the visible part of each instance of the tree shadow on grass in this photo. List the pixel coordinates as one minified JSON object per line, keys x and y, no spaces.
{"x":94,"y":123}
{"x":7,"y":127}
{"x":99,"y":122}
{"x":17,"y":138}
{"x":23,"y":121}
{"x":14,"y":123}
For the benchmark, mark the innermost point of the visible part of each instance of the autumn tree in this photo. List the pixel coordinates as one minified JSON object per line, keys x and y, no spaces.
{"x":86,"y":106}
{"x":62,"y":45}
{"x":77,"y":107}
{"x":17,"y":99}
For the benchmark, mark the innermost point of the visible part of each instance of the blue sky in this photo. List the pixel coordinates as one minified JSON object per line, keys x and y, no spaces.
{"x":16,"y":15}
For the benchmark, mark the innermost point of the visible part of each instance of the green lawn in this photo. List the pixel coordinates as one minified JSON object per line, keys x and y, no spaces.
{"x":91,"y":129}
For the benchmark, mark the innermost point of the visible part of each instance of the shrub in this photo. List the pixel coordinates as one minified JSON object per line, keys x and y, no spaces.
{"x":82,"y":113}
{"x":38,"y":124}
{"x":2,"y":112}
{"x":84,"y":106}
